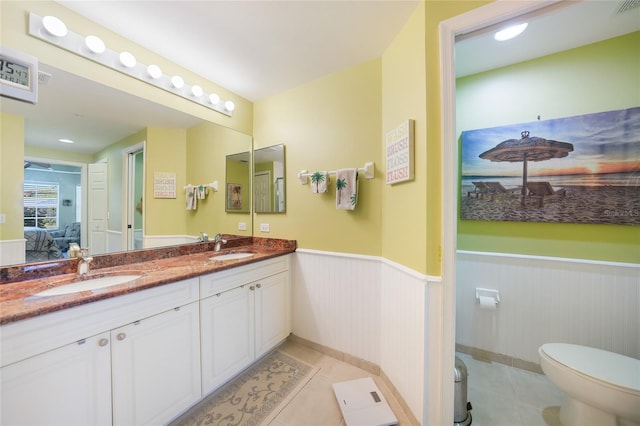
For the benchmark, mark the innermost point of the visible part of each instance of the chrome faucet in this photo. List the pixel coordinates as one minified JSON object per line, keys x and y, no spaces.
{"x":85,"y":260}
{"x":219,"y":241}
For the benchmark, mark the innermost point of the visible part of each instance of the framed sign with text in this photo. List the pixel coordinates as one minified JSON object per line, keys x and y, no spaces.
{"x":399,"y":153}
{"x":164,"y":185}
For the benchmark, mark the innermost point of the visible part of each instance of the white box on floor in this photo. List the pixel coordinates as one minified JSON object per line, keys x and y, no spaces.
{"x":362,"y":403}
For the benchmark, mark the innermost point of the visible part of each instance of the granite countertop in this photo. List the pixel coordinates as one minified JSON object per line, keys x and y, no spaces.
{"x":156,"y":267}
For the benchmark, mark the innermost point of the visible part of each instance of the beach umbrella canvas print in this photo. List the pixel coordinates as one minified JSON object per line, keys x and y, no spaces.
{"x":527,"y":149}
{"x":580,"y":169}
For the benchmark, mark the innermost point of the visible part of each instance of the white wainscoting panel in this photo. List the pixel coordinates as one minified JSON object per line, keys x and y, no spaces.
{"x":114,"y":241}
{"x":336,"y":302}
{"x":12,"y":252}
{"x":154,"y":241}
{"x":368,"y":308}
{"x":402,"y":340}
{"x":547,"y":300}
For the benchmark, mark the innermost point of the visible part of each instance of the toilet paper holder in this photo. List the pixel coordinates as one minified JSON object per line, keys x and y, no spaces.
{"x":487,"y":292}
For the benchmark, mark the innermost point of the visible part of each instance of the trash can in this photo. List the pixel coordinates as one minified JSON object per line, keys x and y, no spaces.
{"x":461,"y":407}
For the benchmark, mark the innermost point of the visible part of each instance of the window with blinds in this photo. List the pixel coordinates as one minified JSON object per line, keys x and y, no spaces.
{"x":41,"y":205}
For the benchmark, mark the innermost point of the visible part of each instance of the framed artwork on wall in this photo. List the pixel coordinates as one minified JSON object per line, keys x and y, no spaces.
{"x":234,"y":196}
{"x":580,"y":169}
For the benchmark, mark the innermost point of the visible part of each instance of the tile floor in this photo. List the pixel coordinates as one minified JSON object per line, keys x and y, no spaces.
{"x":500,"y":395}
{"x":503,"y":395}
{"x":316,"y":403}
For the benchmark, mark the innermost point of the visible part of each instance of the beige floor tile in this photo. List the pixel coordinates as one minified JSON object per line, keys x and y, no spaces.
{"x":314,"y":405}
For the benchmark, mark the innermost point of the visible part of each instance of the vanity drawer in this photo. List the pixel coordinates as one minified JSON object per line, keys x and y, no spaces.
{"x":225,"y":280}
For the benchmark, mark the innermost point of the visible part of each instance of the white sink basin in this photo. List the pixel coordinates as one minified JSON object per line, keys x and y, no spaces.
{"x":232,"y":256}
{"x":89,"y":284}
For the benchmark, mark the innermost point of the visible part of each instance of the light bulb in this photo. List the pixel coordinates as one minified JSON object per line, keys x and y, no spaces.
{"x":154,"y":71}
{"x":177,"y":82}
{"x":214,"y":99}
{"x":196,"y":91}
{"x":127,"y":59}
{"x":54,"y":26}
{"x":94,"y":44}
{"x":510,"y":32}
{"x":230,"y":106}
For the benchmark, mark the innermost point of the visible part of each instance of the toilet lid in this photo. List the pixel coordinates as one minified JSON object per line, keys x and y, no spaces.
{"x":602,"y":365}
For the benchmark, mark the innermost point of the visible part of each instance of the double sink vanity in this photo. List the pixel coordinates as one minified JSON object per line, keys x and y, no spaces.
{"x":143,"y":336}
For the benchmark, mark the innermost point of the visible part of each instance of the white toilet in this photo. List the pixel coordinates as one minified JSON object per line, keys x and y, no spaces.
{"x":602,"y":388}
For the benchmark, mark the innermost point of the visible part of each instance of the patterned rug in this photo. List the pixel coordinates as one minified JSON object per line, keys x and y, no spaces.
{"x":253,"y":398}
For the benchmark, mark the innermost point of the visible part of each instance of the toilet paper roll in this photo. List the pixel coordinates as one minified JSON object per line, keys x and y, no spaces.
{"x":487,"y":302}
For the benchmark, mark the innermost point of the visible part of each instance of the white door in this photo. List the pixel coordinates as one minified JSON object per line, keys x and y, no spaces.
{"x":262,"y":191}
{"x":227,"y":336}
{"x":67,"y":386}
{"x":156,"y":367}
{"x":135,"y":187}
{"x":272,"y":311}
{"x":97,"y":208}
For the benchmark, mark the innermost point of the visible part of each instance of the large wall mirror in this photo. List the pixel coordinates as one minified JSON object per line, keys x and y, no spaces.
{"x":269,"y":193}
{"x":113,"y":129}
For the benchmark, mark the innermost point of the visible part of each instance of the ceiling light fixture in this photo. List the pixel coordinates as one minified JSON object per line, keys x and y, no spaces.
{"x":510,"y":32}
{"x":52,"y":30}
{"x":63,"y":140}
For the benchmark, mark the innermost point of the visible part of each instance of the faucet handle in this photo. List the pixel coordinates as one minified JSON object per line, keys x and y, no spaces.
{"x":204,"y":237}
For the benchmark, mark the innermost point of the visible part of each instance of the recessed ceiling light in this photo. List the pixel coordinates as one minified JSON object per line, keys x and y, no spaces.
{"x":510,"y":32}
{"x":65,"y":140}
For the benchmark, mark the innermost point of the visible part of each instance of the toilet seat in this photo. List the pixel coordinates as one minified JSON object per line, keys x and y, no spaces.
{"x":609,"y":368}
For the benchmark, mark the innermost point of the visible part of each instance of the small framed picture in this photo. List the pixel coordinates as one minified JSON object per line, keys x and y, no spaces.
{"x":234,"y":196}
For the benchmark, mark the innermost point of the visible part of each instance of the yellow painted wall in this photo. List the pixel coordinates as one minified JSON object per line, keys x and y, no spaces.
{"x":404,"y":205}
{"x":165,"y":151}
{"x":11,"y":175}
{"x":330,"y":123}
{"x":207,"y":147}
{"x":600,"y":77}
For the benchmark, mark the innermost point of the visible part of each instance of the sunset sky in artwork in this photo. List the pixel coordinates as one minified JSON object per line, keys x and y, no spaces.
{"x":606,"y":142}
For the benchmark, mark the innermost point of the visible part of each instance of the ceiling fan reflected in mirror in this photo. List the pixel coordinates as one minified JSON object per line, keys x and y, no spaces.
{"x":28,"y":164}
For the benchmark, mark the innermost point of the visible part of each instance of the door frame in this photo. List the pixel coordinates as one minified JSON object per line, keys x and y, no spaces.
{"x":128,"y":203}
{"x":442,"y":396}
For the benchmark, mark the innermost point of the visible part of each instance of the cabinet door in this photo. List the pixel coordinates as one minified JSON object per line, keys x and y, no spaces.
{"x":272,"y":310}
{"x":227,"y":336}
{"x":156,"y":367}
{"x":66,"y":386}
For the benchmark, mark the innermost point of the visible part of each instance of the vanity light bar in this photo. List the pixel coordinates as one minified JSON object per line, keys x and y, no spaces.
{"x":54,"y":31}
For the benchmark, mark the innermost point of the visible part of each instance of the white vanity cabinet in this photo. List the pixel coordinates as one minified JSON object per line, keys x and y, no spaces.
{"x":227,"y":338}
{"x":52,"y":373}
{"x":70,"y":385}
{"x":155,"y":367}
{"x":245,"y":312}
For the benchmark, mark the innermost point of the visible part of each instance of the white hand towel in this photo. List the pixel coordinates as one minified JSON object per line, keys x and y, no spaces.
{"x":190,"y":194}
{"x":319,"y":181}
{"x":346,"y":189}
{"x":201,"y":192}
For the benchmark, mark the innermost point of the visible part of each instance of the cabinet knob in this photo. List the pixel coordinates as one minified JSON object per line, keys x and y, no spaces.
{"x":258,"y":285}
{"x":252,"y":288}
{"x":121,"y":336}
{"x":103,"y":342}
